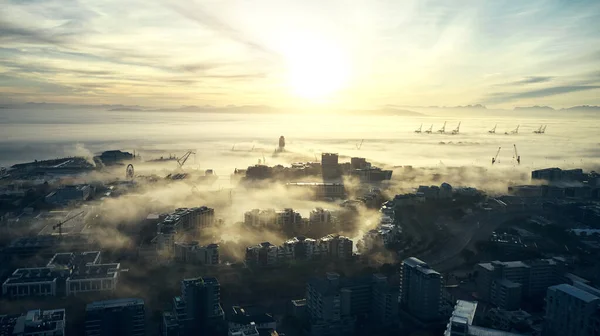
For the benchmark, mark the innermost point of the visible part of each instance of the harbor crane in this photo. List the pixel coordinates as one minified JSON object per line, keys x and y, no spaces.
{"x":359,"y":145}
{"x":457,"y":129}
{"x":517,"y":156}
{"x":541,"y":130}
{"x":181,"y":161}
{"x":59,"y":225}
{"x":495,"y":158}
{"x":493,"y":130}
{"x":419,"y":129}
{"x":429,"y":130}
{"x":515,"y":131}
{"x":443,"y":129}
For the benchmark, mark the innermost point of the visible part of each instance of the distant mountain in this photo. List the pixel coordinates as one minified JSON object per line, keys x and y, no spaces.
{"x":226,"y":109}
{"x":127,"y":109}
{"x":534,"y":108}
{"x":476,"y":106}
{"x":583,"y":108}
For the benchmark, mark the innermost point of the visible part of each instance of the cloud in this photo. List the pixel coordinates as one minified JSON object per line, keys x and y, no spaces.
{"x":530,"y":80}
{"x":195,"y":12}
{"x":504,"y":97}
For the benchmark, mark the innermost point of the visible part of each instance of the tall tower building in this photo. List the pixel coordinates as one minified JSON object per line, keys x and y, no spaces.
{"x":421,"y":289}
{"x":202,"y":298}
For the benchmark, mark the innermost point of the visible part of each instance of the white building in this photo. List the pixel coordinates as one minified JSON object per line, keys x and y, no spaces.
{"x":461,"y":322}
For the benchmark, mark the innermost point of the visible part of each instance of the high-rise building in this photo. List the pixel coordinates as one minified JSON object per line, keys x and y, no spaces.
{"x":115,"y":318}
{"x":420,"y":290}
{"x":202,"y":297}
{"x":572,"y":311}
{"x":330,"y":166}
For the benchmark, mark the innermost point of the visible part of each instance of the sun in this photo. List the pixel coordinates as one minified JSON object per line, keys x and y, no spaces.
{"x":316,"y":70}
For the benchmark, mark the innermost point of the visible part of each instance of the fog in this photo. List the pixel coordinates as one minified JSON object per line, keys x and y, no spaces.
{"x":224,"y":142}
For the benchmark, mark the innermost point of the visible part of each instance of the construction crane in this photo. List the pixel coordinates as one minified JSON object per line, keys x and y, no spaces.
{"x":429,"y":130}
{"x":59,"y":225}
{"x":515,"y":131}
{"x":181,"y":161}
{"x":517,"y":156}
{"x":457,"y":129}
{"x":493,"y":130}
{"x":419,"y":130}
{"x":443,"y":129}
{"x":495,"y":158}
{"x":358,"y":146}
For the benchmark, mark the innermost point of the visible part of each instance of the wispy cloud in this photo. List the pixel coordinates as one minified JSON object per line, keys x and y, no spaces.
{"x":529,"y":80}
{"x":504,"y":97}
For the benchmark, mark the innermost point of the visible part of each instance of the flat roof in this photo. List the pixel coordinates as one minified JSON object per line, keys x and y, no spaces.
{"x":97,"y":305}
{"x":507,"y":283}
{"x":98,"y":271}
{"x":30,"y":275}
{"x":480,"y":331}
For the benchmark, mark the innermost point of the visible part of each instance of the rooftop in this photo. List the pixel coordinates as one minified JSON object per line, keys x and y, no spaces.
{"x":98,"y":271}
{"x":30,"y":275}
{"x":507,"y":283}
{"x":575,"y":292}
{"x":98,"y":305}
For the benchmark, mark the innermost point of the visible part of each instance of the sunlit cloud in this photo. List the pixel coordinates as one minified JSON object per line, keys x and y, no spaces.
{"x":281,"y":53}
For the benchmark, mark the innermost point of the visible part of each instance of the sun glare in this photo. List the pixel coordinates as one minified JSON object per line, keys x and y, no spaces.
{"x":316,"y":70}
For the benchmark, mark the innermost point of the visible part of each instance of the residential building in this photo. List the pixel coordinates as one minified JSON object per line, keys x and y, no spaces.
{"x":420,"y":290}
{"x":330,"y":166}
{"x":120,"y":317}
{"x":299,"y":248}
{"x":34,"y":323}
{"x":571,"y":311}
{"x":334,"y":303}
{"x":506,"y":294}
{"x":320,"y":217}
{"x":247,"y":330}
{"x":245,"y":316}
{"x":534,"y":276}
{"x":319,"y":190}
{"x":462,"y":322}
{"x":202,"y":298}
{"x":191,"y":252}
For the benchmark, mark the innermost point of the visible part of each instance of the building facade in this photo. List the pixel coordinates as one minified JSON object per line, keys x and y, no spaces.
{"x":421,"y":290}
{"x":118,"y":317}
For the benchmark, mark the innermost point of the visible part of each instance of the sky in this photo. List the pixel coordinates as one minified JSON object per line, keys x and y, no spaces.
{"x":301,"y":53}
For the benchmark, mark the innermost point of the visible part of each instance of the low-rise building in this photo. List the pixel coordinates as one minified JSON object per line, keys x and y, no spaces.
{"x":299,"y":248}
{"x":70,"y":194}
{"x":246,"y":316}
{"x":534,"y":276}
{"x":462,"y":322}
{"x":192,"y":252}
{"x":120,"y":317}
{"x":65,"y":274}
{"x":34,"y":323}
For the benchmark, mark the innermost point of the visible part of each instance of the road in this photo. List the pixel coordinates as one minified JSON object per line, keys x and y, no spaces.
{"x":470,"y":229}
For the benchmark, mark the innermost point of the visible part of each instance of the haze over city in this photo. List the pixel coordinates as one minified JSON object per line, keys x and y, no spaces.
{"x":299,"y":168}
